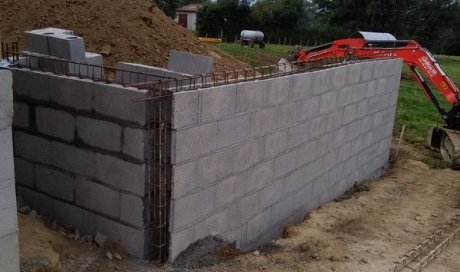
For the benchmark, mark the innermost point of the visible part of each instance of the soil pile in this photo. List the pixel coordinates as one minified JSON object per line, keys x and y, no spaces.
{"x":123,"y":30}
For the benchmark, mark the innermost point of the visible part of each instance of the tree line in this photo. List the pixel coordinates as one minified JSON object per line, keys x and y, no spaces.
{"x":434,"y":23}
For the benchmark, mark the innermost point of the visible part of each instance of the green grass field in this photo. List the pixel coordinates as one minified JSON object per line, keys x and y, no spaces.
{"x":414,"y":109}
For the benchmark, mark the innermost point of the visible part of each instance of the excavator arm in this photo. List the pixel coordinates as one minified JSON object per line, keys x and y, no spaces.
{"x":423,"y":67}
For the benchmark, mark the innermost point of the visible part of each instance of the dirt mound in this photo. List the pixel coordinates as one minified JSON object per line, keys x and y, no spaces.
{"x":124,"y":30}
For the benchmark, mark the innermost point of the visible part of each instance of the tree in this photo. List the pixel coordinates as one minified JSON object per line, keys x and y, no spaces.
{"x":169,"y":7}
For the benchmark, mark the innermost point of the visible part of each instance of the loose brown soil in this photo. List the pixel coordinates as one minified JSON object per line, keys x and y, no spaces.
{"x":366,"y":231}
{"x":123,"y":30}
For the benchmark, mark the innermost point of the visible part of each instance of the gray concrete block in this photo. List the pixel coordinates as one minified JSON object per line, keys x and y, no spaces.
{"x":288,"y":114}
{"x":306,"y":153}
{"x":114,"y":101}
{"x":9,"y":253}
{"x":301,"y":86}
{"x":310,"y":108}
{"x":217,"y":103}
{"x":325,"y":144}
{"x":130,"y":73}
{"x":264,"y":121}
{"x":353,"y":130}
{"x":328,"y":102}
{"x":382,"y":86}
{"x":32,"y":148}
{"x":6,"y":155}
{"x":214,"y":166}
{"x":21,"y":115}
{"x":37,"y":40}
{"x":33,"y":84}
{"x":321,"y":184}
{"x":24,"y":172}
{"x":99,"y":133}
{"x":271,"y":194}
{"x":243,"y":210}
{"x":8,"y":209}
{"x":349,"y":114}
{"x":135,"y":143}
{"x":132,"y":210}
{"x":233,"y":130}
{"x":339,"y":77}
{"x":76,"y":160}
{"x":72,"y":92}
{"x":260,"y":175}
{"x":367,"y":71}
{"x":345,"y":96}
{"x":39,"y":202}
{"x":285,"y":163}
{"x":69,"y":215}
{"x":318,"y":127}
{"x":371,"y":88}
{"x":120,"y":174}
{"x":6,"y":98}
{"x":180,"y":241}
{"x":359,"y":92}
{"x":55,"y":123}
{"x":248,"y":154}
{"x":251,"y":95}
{"x":281,"y":211}
{"x":215,"y":225}
{"x":230,"y":189}
{"x":302,"y":198}
{"x":354,"y":74}
{"x":185,"y":108}
{"x":97,"y":198}
{"x":380,"y":69}
{"x":202,"y":202}
{"x":334,"y":120}
{"x":66,"y":46}
{"x":195,"y":141}
{"x":184,"y":179}
{"x":258,"y":225}
{"x":189,"y":63}
{"x":90,"y":66}
{"x":321,"y":81}
{"x":54,"y":183}
{"x":298,"y":135}
{"x":336,"y":174}
{"x":132,"y":240}
{"x":362,"y":109}
{"x":278,"y":90}
{"x":276,"y":143}
{"x":294,"y":181}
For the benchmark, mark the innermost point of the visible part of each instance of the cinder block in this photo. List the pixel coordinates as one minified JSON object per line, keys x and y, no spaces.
{"x":37,"y":40}
{"x":180,"y":241}
{"x":306,"y":153}
{"x":302,"y":198}
{"x":298,"y":135}
{"x":278,"y":90}
{"x":353,"y":130}
{"x":362,"y":108}
{"x":21,"y":115}
{"x":349,"y":114}
{"x":380,"y":69}
{"x":276,"y":143}
{"x":90,"y":66}
{"x":89,"y":195}
{"x":318,"y":127}
{"x":244,"y":209}
{"x":321,"y":81}
{"x":251,"y":95}
{"x":6,"y":98}
{"x":371,"y":88}
{"x":233,"y":130}
{"x":339,"y":77}
{"x":214,"y":225}
{"x":184,"y":179}
{"x":9,"y":253}
{"x":72,"y":92}
{"x":230,"y":189}
{"x":382,"y":86}
{"x":321,"y":184}
{"x":248,"y":154}
{"x":120,"y":174}
{"x":215,"y":166}
{"x":66,"y":46}
{"x":33,"y":84}
{"x":334,"y":120}
{"x":359,"y":92}
{"x":185,"y":108}
{"x":354,"y":73}
{"x":31,"y":147}
{"x":24,"y":172}
{"x":6,"y":155}
{"x":55,"y":123}
{"x":260,"y":175}
{"x":285,"y":163}
{"x":188,"y":63}
{"x":70,"y":215}
{"x":295,"y":181}
{"x":271,"y":194}
{"x":195,"y":141}
{"x":131,"y":239}
{"x":281,"y":211}
{"x":191,"y":208}
{"x":99,"y":133}
{"x":258,"y":225}
{"x":264,"y":121}
{"x":114,"y":101}
{"x":336,"y":173}
{"x":328,"y":102}
{"x":288,"y":114}
{"x":73,"y":159}
{"x":39,"y":202}
{"x":54,"y":183}
{"x":8,"y":209}
{"x":310,"y":108}
{"x":130,"y":73}
{"x":345,"y":96}
{"x":233,"y":236}
{"x":325,"y":144}
{"x":218,"y":102}
{"x":367,"y":70}
{"x":136,"y":143}
{"x":301,"y":86}
{"x":132,"y":210}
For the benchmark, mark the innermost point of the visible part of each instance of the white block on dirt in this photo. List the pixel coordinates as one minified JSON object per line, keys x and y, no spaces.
{"x":37,"y":40}
{"x":66,"y":46}
{"x":188,"y":63}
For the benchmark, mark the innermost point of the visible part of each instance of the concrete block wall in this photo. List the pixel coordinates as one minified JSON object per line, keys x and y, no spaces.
{"x":252,"y":157}
{"x":9,"y":249}
{"x":80,"y":155}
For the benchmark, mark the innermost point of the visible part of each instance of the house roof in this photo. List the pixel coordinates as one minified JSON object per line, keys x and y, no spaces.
{"x":190,"y":8}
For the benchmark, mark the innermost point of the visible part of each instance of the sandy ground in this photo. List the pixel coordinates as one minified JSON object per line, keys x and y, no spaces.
{"x":366,"y":231}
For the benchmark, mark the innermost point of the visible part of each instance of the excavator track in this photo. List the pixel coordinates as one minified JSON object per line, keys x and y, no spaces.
{"x":447,"y":142}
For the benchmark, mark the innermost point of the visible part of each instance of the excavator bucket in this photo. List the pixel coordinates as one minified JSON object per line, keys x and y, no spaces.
{"x":447,"y":142}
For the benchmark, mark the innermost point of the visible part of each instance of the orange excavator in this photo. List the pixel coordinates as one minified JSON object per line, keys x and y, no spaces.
{"x":423,"y":66}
